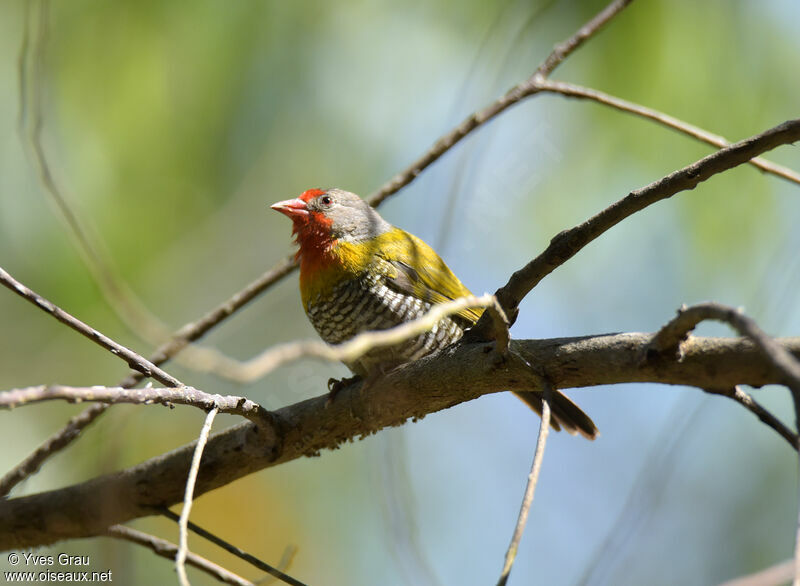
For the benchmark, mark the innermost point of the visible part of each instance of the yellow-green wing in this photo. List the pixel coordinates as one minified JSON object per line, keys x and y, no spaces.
{"x":415,"y":269}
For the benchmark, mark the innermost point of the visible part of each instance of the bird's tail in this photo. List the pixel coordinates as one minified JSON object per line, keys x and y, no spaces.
{"x":564,"y":414}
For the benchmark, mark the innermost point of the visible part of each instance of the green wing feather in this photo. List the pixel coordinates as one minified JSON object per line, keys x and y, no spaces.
{"x":412,"y":267}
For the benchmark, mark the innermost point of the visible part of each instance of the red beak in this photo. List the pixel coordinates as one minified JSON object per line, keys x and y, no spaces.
{"x":294,"y":208}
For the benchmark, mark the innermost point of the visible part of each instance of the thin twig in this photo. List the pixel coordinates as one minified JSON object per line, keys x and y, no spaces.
{"x":522,"y":90}
{"x":183,"y":543}
{"x":133,"y":359}
{"x":168,"y":550}
{"x":283,"y":565}
{"x":30,"y":465}
{"x":22,"y":69}
{"x":249,"y":558}
{"x":530,"y":489}
{"x":169,"y":396}
{"x":356,"y":347}
{"x":566,"y":48}
{"x":576,"y":91}
{"x":749,"y":403}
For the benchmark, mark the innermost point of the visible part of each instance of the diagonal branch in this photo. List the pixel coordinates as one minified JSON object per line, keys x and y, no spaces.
{"x":513,"y":96}
{"x":572,"y":90}
{"x":745,"y":400}
{"x":52,"y":445}
{"x":565,"y":48}
{"x":122,"y":300}
{"x":530,"y":488}
{"x":274,"y":572}
{"x":133,"y":359}
{"x":168,"y":550}
{"x":568,"y":243}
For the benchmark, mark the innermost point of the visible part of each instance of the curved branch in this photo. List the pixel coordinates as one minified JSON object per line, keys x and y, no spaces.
{"x":572,"y":90}
{"x":460,"y":373}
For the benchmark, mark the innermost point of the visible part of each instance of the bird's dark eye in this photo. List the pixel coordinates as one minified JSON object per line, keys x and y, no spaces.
{"x":326,"y":200}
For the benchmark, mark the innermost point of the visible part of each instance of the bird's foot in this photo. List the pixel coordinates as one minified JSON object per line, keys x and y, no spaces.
{"x":335,"y":385}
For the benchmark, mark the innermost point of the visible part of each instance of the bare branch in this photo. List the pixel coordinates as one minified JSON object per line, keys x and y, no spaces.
{"x":457,"y":374}
{"x":568,"y":243}
{"x":133,"y":359}
{"x":576,"y":91}
{"x":183,"y":543}
{"x":565,"y":48}
{"x":168,"y":550}
{"x":169,"y":396}
{"x":516,"y":94}
{"x":669,"y":338}
{"x":530,"y":489}
{"x":251,"y":559}
{"x":52,"y":445}
{"x":744,"y":399}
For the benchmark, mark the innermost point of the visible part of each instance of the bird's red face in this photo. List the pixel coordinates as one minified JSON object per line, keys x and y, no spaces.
{"x":309,"y":221}
{"x":322,"y":218}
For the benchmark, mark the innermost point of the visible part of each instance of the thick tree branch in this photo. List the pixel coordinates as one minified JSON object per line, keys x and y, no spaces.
{"x":670,"y":337}
{"x":458,"y":374}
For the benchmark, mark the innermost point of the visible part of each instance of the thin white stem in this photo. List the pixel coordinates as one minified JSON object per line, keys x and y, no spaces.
{"x":183,"y":523}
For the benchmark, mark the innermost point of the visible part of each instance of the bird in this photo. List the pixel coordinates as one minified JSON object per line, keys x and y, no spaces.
{"x":359,"y":273}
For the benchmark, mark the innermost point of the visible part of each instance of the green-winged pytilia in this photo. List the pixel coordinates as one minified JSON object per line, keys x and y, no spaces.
{"x":359,"y":273}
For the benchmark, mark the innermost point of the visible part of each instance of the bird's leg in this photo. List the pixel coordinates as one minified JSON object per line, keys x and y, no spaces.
{"x":335,"y":385}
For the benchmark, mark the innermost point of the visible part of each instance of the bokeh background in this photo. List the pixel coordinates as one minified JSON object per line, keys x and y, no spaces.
{"x":170,"y":127}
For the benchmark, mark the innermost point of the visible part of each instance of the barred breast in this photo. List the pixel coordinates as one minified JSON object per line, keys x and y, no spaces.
{"x":366,"y":304}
